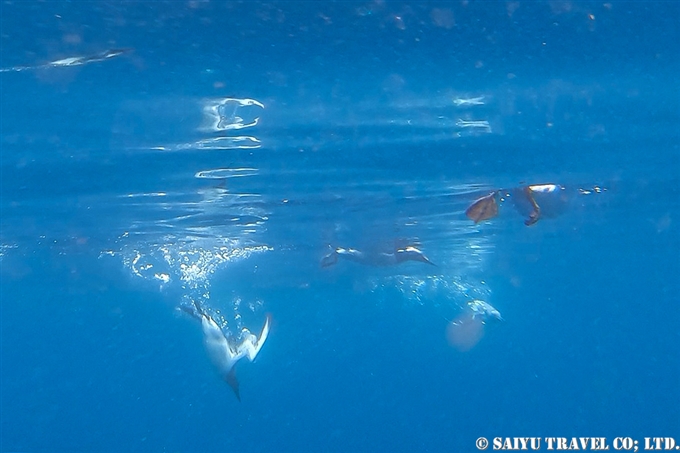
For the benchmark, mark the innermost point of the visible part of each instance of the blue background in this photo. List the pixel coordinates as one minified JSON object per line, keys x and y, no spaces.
{"x":359,"y":147}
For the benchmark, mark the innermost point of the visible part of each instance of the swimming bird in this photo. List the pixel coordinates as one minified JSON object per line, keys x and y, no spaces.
{"x":378,"y":259}
{"x":224,"y":352}
{"x":484,"y":208}
{"x":533,"y":201}
{"x":468,"y":328}
{"x":72,"y":61}
{"x":483,"y":310}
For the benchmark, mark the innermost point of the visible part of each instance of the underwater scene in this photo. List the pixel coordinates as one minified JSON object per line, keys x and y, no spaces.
{"x":375,"y":226}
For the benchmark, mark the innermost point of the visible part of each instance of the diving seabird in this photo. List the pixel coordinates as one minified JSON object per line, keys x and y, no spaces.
{"x":399,"y":255}
{"x":467,"y":329}
{"x":225,"y":352}
{"x":483,"y":310}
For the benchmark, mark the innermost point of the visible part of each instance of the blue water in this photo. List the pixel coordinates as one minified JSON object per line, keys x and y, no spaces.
{"x":122,"y":199}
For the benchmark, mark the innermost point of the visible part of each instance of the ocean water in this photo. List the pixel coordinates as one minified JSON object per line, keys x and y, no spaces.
{"x":158,"y":157}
